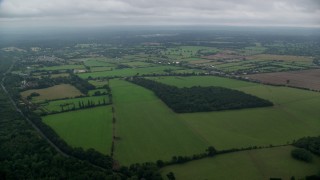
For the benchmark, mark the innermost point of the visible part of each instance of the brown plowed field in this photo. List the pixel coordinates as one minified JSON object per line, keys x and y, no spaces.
{"x":305,"y":79}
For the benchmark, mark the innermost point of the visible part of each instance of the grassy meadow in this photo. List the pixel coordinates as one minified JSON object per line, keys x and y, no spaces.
{"x":254,"y":165}
{"x":147,"y":129}
{"x":146,"y":124}
{"x":88,"y":128}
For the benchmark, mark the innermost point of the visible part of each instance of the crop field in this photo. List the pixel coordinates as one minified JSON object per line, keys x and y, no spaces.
{"x":293,"y":116}
{"x":55,"y":92}
{"x":88,"y":128}
{"x":255,"y":164}
{"x":304,"y":79}
{"x":129,"y":72}
{"x":62,"y":67}
{"x":68,"y":104}
{"x":147,"y":130}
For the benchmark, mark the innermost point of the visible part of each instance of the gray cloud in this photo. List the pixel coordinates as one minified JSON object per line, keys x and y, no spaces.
{"x":161,"y":12}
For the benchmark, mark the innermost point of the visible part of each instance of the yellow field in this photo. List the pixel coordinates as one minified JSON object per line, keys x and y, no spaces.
{"x":54,"y":92}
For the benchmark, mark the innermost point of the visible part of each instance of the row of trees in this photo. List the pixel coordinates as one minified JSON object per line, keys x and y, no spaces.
{"x":200,"y":99}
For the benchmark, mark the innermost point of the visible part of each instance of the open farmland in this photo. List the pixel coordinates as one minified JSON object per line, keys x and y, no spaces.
{"x":147,"y":129}
{"x":294,"y":114}
{"x":62,"y":67}
{"x":253,"y":165}
{"x":129,"y":72}
{"x":309,"y":79}
{"x":55,"y":92}
{"x":88,"y":128}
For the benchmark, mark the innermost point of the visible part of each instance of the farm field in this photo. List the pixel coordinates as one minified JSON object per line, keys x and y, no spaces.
{"x":304,"y":79}
{"x":154,"y":132}
{"x":254,"y":165}
{"x":129,"y":72}
{"x":62,"y":67}
{"x":55,"y":106}
{"x":52,"y":93}
{"x":88,"y":128}
{"x":293,"y":116}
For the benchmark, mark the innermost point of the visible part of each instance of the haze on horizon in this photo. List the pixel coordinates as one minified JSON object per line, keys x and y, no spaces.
{"x":38,"y":13}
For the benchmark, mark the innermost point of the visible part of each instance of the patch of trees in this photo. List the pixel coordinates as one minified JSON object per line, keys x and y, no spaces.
{"x":23,"y":155}
{"x":81,"y":84}
{"x":301,"y":154}
{"x":311,"y":144}
{"x":200,"y":99}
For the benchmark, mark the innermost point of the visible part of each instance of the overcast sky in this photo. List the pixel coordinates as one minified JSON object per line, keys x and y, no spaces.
{"x":299,"y":13}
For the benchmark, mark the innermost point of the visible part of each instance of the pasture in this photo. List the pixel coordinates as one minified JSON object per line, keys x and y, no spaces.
{"x":55,"y":92}
{"x":88,"y":128}
{"x":155,"y":132}
{"x":254,"y":165}
{"x":146,"y":129}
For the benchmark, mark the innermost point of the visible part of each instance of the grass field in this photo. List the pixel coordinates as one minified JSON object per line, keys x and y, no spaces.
{"x":55,"y":92}
{"x":157,"y":128}
{"x":52,"y":106}
{"x":129,"y":72}
{"x":294,"y":115}
{"x":62,"y":67}
{"x":254,"y":165}
{"x":147,"y":129}
{"x":88,"y":128}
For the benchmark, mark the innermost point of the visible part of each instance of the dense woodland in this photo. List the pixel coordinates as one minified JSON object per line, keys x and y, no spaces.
{"x":200,"y":99}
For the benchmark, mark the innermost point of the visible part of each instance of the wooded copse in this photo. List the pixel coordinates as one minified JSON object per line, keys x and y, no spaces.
{"x":200,"y":99}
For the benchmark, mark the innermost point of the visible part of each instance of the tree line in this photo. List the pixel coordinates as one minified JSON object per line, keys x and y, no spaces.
{"x":200,"y":99}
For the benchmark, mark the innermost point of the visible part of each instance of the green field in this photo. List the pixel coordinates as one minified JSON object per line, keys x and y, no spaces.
{"x":254,"y":165}
{"x":62,"y":67}
{"x":55,"y":106}
{"x":97,"y":63}
{"x":98,"y":83}
{"x":294,"y":115}
{"x":88,"y":128}
{"x":147,"y":129}
{"x":129,"y":72}
{"x":156,"y":127}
